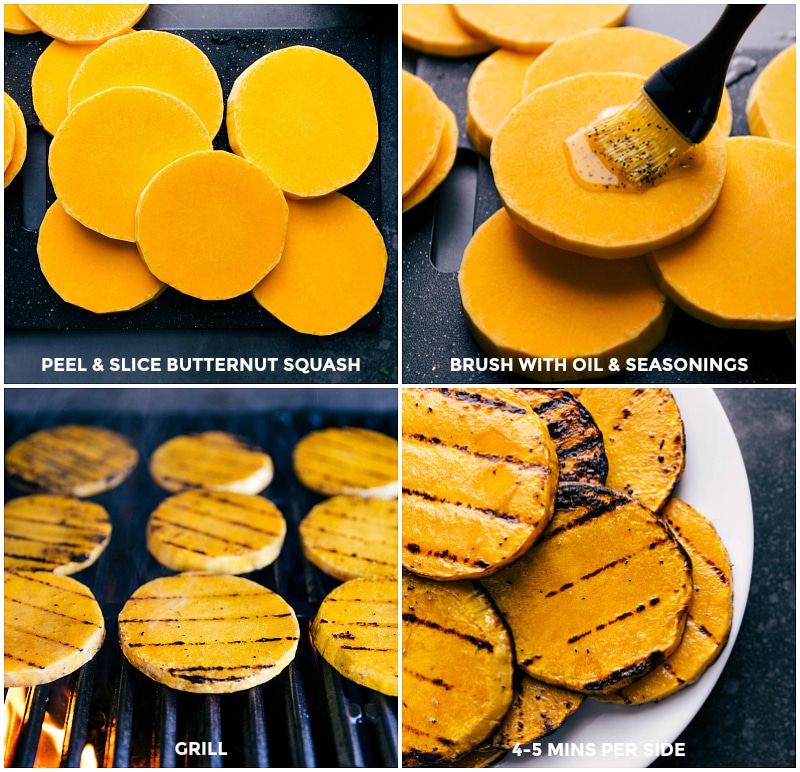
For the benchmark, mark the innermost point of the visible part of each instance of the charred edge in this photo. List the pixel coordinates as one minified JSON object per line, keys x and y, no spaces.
{"x":632,"y":671}
{"x":423,"y":759}
{"x":482,"y":510}
{"x":474,"y":398}
{"x":481,"y":644}
{"x":590,"y":445}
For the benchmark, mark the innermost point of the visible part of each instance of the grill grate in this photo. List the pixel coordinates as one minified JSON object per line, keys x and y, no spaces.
{"x":308,"y":716}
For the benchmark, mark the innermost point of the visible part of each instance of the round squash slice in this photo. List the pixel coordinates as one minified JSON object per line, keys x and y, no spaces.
{"x":216,"y":531}
{"x":109,"y":147}
{"x":355,"y":631}
{"x":536,"y":183}
{"x":16,"y":22}
{"x":211,"y":225}
{"x":710,"y":612}
{"x":479,"y":479}
{"x":208,"y":634}
{"x":739,"y":269}
{"x":9,"y":131}
{"x":53,"y":533}
{"x":524,"y":298}
{"x":332,"y":270}
{"x":535,"y":27}
{"x":772,"y":101}
{"x":435,"y":29}
{"x":84,"y":23}
{"x":158,"y":60}
{"x":423,"y":126}
{"x":457,"y":670}
{"x":52,"y":626}
{"x":307,"y":117}
{"x":601,"y":599}
{"x":71,"y":460}
{"x":20,"y":135}
{"x":492,"y":92}
{"x":92,"y":271}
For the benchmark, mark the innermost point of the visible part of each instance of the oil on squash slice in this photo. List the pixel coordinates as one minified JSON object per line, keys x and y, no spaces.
{"x":457,"y":670}
{"x":479,"y":480}
{"x":435,"y":29}
{"x":423,"y":126}
{"x":772,"y":101}
{"x":710,"y":612}
{"x":601,"y":599}
{"x":82,"y":23}
{"x":355,"y":631}
{"x":644,"y":440}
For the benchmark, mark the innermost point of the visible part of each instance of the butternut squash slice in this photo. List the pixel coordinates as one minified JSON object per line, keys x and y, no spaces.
{"x":644,"y":440}
{"x":355,"y":632}
{"x":710,"y":612}
{"x":435,"y":29}
{"x":211,"y":225}
{"x":537,"y":186}
{"x":158,"y":60}
{"x":772,"y":101}
{"x":20,"y":142}
{"x":739,"y":269}
{"x":601,"y":599}
{"x":114,"y":142}
{"x":479,"y":479}
{"x":616,"y":49}
{"x":445,"y":158}
{"x":9,"y":131}
{"x":52,"y":626}
{"x":307,"y":117}
{"x":537,"y":26}
{"x":16,"y":22}
{"x":92,"y":271}
{"x":524,"y":298}
{"x":477,"y":759}
{"x":332,"y":270}
{"x":457,"y":670}
{"x":423,"y":127}
{"x":81,"y":23}
{"x":493,"y":90}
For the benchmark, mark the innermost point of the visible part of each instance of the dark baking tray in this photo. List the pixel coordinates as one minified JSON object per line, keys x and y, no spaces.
{"x":434,"y":329}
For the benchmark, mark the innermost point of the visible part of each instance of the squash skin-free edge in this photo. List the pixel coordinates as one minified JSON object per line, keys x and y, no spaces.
{"x":20,"y":143}
{"x":423,"y":126}
{"x":16,"y":22}
{"x":434,"y":29}
{"x":772,"y":101}
{"x":9,"y":131}
{"x":82,"y":24}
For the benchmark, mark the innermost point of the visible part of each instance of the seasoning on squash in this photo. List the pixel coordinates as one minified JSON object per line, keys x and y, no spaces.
{"x":524,"y":298}
{"x":772,"y":101}
{"x":9,"y":131}
{"x":423,"y":127}
{"x":492,"y":92}
{"x":82,"y":23}
{"x":739,"y":269}
{"x":16,"y":22}
{"x":307,"y":117}
{"x":332,"y":270}
{"x":445,"y":158}
{"x":601,"y":223}
{"x":20,"y":135}
{"x":109,"y":147}
{"x":535,"y":27}
{"x":158,"y":60}
{"x":92,"y":271}
{"x":435,"y":29}
{"x":211,"y":225}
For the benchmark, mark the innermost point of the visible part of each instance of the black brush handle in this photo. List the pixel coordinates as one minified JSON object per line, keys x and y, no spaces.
{"x":688,"y":90}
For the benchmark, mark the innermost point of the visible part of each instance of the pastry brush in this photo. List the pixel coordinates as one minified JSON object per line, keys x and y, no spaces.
{"x":676,"y":107}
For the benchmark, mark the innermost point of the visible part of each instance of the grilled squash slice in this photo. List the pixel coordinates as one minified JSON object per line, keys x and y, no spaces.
{"x":355,"y":631}
{"x":208,"y":634}
{"x":710,"y":612}
{"x":215,"y":531}
{"x":350,"y":536}
{"x":457,"y":669}
{"x":71,"y":460}
{"x":644,"y":440}
{"x":577,"y":440}
{"x":358,"y":462}
{"x":52,"y":624}
{"x":601,"y":599}
{"x":53,"y":533}
{"x":479,"y":759}
{"x":479,"y":480}
{"x":215,"y":461}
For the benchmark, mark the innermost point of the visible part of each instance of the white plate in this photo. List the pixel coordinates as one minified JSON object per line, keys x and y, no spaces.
{"x":715,"y":483}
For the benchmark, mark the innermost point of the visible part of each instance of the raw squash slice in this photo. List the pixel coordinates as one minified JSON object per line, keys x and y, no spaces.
{"x":20,"y":135}
{"x":435,"y":29}
{"x":355,"y":631}
{"x":710,"y":612}
{"x":479,"y":479}
{"x":9,"y":131}
{"x":457,"y":669}
{"x":644,"y":440}
{"x":211,"y":225}
{"x":772,"y":101}
{"x":601,"y":599}
{"x":81,"y":23}
{"x":537,"y":186}
{"x":16,"y":22}
{"x":739,"y":269}
{"x":423,"y":126}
